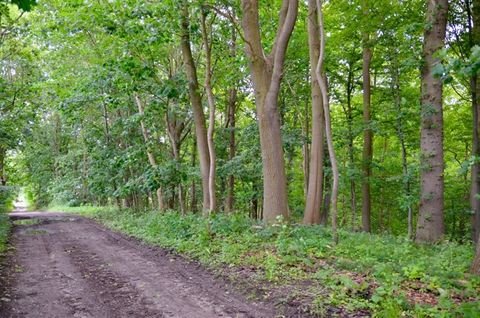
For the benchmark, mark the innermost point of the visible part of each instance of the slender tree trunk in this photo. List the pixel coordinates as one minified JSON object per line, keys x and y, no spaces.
{"x":475,"y":91}
{"x":193,"y":187}
{"x":196,"y":101}
{"x":368,"y":133}
{"x":232,"y":102}
{"x":475,"y":186}
{"x":57,"y":143}
{"x":430,"y":226}
{"x":3,"y":178}
{"x":211,"y":121}
{"x":150,"y":155}
{"x":351,"y":149}
{"x":306,"y":149}
{"x":231,"y":110}
{"x":315,"y":184}
{"x":175,"y":129}
{"x":327,"y":196}
{"x":108,"y":143}
{"x":322,"y":80}
{"x":266,"y":74}
{"x":401,"y":137}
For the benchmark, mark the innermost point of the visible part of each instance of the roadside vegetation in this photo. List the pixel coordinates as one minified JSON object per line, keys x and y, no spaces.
{"x":383,"y":275}
{"x":4,"y":231}
{"x":7,"y":196}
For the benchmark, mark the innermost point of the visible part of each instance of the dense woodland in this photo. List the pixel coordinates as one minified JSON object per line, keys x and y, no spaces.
{"x":362,"y":114}
{"x":198,"y":123}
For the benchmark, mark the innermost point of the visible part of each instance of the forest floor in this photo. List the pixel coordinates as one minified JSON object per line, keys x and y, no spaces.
{"x":63,"y":265}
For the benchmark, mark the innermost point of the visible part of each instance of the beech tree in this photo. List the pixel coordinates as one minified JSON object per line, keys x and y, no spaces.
{"x":430,"y":226}
{"x":314,"y":199}
{"x":266,"y":71}
{"x":475,"y":95}
{"x":368,"y":133}
{"x":198,"y":115}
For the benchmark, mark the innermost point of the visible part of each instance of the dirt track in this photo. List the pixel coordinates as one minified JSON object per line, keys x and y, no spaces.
{"x":67,"y":266}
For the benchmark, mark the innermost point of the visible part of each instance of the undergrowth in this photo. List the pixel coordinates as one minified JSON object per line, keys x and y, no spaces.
{"x":388,"y":276}
{"x":4,"y":231}
{"x":7,"y":196}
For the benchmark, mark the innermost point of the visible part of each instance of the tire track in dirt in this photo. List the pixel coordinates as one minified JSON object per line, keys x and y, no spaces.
{"x":72,"y":267}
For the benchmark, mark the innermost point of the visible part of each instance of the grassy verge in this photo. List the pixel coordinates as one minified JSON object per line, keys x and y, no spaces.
{"x":388,"y":276}
{"x":4,"y":231}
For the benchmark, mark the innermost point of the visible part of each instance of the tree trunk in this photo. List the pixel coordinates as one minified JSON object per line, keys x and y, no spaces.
{"x":175,"y":131}
{"x":150,"y":155}
{"x":430,"y":226}
{"x":211,"y":107}
{"x":231,"y":110}
{"x":395,"y":86}
{"x":327,"y":198}
{"x":306,"y":149}
{"x":232,"y":102}
{"x":196,"y":101}
{"x":266,"y":74}
{"x":322,"y":80}
{"x":367,"y":134}
{"x":351,"y":149}
{"x":193,"y":187}
{"x":314,"y":197}
{"x":3,"y":179}
{"x":475,"y":91}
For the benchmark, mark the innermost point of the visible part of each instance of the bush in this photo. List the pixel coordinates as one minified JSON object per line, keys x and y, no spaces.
{"x":4,"y":231}
{"x":7,"y":196}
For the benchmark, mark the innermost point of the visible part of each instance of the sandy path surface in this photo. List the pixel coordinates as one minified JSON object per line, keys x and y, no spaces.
{"x":68,"y":266}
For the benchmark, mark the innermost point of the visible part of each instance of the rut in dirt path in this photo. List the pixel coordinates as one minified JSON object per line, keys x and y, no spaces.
{"x":68,"y":266}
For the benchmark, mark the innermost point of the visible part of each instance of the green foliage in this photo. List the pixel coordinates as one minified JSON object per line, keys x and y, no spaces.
{"x":7,"y":196}
{"x":4,"y":232}
{"x":25,"y":5}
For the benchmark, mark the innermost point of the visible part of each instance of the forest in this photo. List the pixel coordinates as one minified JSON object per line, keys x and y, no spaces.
{"x":341,"y":134}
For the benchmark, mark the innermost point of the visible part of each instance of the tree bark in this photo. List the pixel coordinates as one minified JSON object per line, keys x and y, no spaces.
{"x":176,"y":134}
{"x":475,"y":92}
{"x":475,"y":268}
{"x":3,"y":179}
{"x":351,"y":149}
{"x":211,"y":120}
{"x":193,"y":187}
{"x":150,"y":155}
{"x":266,"y":74}
{"x":430,"y":226}
{"x":231,"y":111}
{"x":196,"y":101}
{"x":232,"y":103}
{"x":314,"y":197}
{"x":367,"y":154}
{"x":306,"y":148}
{"x":322,"y":80}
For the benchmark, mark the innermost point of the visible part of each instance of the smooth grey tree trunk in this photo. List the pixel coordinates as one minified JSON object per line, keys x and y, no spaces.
{"x":266,"y":71}
{"x":430,"y":225}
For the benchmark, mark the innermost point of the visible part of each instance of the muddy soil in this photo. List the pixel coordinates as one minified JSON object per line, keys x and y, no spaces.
{"x":67,"y":266}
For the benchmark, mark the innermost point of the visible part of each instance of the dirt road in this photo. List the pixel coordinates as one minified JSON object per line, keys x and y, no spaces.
{"x":67,"y":266}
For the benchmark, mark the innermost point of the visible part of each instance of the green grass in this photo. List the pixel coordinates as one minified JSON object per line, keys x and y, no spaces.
{"x":4,"y":231}
{"x":389,"y":276}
